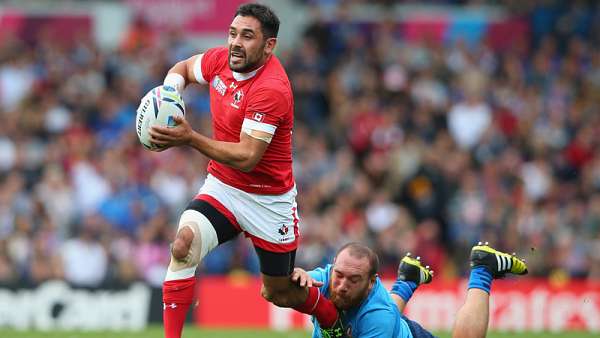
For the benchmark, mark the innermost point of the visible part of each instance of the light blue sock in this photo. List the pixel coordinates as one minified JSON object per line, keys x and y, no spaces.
{"x":481,"y":278}
{"x":404,"y":289}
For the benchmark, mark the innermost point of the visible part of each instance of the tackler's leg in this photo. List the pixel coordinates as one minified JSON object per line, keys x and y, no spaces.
{"x":486,"y":264}
{"x":411,"y":274}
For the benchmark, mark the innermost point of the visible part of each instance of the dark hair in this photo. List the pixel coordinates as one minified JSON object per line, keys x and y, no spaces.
{"x":269,"y":21}
{"x":359,"y":250}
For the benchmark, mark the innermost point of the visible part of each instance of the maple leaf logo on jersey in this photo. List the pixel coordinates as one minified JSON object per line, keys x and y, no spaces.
{"x":237,"y":97}
{"x":283,"y":230}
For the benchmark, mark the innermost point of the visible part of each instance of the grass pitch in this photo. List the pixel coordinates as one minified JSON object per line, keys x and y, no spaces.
{"x":192,"y":332}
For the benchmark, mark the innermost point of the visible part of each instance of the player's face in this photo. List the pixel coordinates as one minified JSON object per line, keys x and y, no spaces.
{"x":248,"y":48}
{"x":350,"y":281}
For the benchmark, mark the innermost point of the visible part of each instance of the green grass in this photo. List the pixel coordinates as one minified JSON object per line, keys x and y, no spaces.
{"x":192,"y":332}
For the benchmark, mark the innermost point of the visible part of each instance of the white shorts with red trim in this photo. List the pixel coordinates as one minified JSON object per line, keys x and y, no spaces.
{"x":270,"y":221}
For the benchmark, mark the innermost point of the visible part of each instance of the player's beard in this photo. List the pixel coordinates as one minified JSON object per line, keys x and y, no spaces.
{"x":250,"y":61}
{"x":346,"y":302}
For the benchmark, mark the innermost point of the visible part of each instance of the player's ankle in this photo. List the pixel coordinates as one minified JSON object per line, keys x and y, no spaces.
{"x":481,"y":278}
{"x":404,"y":289}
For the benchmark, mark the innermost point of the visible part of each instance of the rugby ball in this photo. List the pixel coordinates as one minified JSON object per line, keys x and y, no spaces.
{"x":157,"y":108}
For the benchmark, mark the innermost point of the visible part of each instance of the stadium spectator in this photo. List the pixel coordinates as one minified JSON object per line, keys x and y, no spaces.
{"x":84,"y":258}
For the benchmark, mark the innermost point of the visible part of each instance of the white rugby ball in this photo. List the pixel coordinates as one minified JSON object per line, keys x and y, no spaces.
{"x":157,"y":108}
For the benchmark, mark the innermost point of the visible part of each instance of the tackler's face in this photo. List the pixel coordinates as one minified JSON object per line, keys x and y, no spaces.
{"x":248,"y":47}
{"x":350,"y":281}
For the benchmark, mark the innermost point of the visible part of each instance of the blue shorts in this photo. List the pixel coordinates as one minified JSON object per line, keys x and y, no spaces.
{"x":417,"y":330}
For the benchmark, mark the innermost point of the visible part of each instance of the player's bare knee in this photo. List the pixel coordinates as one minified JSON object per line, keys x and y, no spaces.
{"x":267,"y":293}
{"x":281,"y":298}
{"x":284,"y":300}
{"x":182,"y":243}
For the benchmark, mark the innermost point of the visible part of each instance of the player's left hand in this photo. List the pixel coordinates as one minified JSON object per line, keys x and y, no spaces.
{"x":303,"y":279}
{"x":167,"y":137}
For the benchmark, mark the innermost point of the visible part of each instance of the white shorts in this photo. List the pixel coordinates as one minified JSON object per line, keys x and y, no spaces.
{"x":270,"y":221}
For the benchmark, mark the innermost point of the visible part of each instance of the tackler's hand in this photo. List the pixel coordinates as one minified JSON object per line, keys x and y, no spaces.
{"x":303,"y":279}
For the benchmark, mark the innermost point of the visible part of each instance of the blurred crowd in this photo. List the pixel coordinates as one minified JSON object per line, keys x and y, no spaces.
{"x":409,"y":146}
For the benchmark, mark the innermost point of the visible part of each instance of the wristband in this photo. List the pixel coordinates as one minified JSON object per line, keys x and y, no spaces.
{"x":175,"y":80}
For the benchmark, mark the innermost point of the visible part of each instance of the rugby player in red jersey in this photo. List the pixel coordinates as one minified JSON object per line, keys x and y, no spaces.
{"x":250,"y":187}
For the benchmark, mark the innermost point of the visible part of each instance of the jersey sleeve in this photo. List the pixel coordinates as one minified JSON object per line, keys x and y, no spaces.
{"x":321,"y":275}
{"x":376,"y":324}
{"x":207,"y":64}
{"x":267,"y":109}
{"x":318,"y":274}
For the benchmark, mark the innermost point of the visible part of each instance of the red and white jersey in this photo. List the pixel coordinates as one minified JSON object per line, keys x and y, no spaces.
{"x":260,"y":100}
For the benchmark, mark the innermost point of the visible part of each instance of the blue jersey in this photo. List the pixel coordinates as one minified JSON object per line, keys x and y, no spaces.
{"x":377,"y":316}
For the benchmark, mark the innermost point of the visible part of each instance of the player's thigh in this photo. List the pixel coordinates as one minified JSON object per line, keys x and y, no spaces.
{"x":272,"y":226}
{"x":277,"y":287}
{"x":223,"y":228}
{"x":276,"y":267}
{"x":270,"y":221}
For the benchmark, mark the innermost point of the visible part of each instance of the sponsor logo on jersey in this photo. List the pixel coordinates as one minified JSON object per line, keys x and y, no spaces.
{"x":237,"y":97}
{"x":259,"y":185}
{"x":233,"y":86}
{"x":172,"y":306}
{"x":219,"y":85}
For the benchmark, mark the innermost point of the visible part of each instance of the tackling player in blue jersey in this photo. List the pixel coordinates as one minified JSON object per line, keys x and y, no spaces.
{"x":368,"y":310}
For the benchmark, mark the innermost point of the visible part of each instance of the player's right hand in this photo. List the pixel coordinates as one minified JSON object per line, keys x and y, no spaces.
{"x":180,"y":134}
{"x":303,"y":279}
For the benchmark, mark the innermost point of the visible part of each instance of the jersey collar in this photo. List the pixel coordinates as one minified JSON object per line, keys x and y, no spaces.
{"x":245,"y":76}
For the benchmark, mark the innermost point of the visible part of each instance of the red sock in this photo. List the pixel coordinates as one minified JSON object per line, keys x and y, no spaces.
{"x":177,"y":297}
{"x":319,"y":306}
